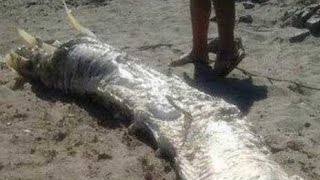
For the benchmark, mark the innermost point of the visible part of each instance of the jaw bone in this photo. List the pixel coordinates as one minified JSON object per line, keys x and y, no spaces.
{"x":15,"y":62}
{"x":20,"y":59}
{"x":75,"y":24}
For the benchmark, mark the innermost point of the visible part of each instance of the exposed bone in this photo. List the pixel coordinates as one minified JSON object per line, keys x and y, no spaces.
{"x":75,"y":24}
{"x":29,"y":40}
{"x":49,"y":49}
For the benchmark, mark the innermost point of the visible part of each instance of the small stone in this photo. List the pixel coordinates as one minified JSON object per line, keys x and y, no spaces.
{"x":59,"y":136}
{"x":1,"y":166}
{"x":148,"y":176}
{"x":32,"y":151}
{"x":246,"y":19}
{"x":104,"y":156}
{"x":248,"y":5}
{"x":299,"y":36}
{"x":95,"y":139}
{"x":313,"y":24}
{"x":300,"y":17}
{"x":291,"y":161}
{"x":167,"y":169}
{"x":307,"y":124}
{"x":27,"y":131}
{"x":259,"y":1}
{"x":31,"y":4}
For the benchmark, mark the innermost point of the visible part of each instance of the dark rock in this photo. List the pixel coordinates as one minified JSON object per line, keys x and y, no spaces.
{"x":32,"y":3}
{"x":1,"y":166}
{"x":287,"y":17}
{"x":248,"y":5}
{"x":300,"y":17}
{"x":307,"y":124}
{"x":259,"y":1}
{"x":104,"y":156}
{"x":148,"y":176}
{"x":291,"y":161}
{"x":246,"y":19}
{"x":32,"y":151}
{"x":59,"y":136}
{"x":313,"y":24}
{"x":167,"y":169}
{"x":299,"y":36}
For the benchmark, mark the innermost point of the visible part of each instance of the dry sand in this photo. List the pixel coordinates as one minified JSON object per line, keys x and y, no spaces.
{"x":46,"y":135}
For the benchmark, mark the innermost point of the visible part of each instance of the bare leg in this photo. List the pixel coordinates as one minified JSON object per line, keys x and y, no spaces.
{"x":200,"y":14}
{"x":227,"y":52}
{"x":225,"y":12}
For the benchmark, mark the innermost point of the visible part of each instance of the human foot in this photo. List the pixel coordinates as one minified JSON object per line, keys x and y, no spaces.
{"x":227,"y":61}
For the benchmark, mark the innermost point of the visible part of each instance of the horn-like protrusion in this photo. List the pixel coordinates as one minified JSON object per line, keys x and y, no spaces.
{"x":75,"y":24}
{"x":29,"y":40}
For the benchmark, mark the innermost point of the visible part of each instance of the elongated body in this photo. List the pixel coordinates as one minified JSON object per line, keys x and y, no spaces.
{"x":206,"y":136}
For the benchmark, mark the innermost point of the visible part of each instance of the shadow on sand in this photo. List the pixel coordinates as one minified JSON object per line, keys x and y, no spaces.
{"x":107,"y":115}
{"x":104,"y":116}
{"x":240,"y":92}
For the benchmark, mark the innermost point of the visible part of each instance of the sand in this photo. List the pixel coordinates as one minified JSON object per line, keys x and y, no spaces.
{"x":45,"y":134}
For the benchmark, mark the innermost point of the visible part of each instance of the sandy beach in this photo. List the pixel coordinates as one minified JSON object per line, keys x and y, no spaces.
{"x":45,"y":134}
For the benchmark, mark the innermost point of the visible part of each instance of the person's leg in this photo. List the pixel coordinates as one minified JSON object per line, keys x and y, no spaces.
{"x":200,"y":14}
{"x":225,"y":12}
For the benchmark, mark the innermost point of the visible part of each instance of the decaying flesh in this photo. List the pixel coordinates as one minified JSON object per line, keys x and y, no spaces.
{"x":206,"y":136}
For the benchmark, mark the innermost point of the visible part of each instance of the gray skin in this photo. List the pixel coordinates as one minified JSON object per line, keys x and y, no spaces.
{"x":206,"y":137}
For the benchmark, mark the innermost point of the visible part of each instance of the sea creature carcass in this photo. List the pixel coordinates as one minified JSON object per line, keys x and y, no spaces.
{"x":206,"y":137}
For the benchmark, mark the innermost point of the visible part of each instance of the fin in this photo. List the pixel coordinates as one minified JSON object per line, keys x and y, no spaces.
{"x":75,"y":24}
{"x":29,"y":40}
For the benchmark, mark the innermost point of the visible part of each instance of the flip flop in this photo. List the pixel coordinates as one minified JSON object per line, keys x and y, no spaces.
{"x":224,"y":68}
{"x":234,"y":63}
